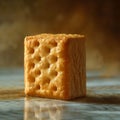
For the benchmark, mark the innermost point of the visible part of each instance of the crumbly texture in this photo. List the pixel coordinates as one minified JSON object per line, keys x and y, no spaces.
{"x":55,"y":66}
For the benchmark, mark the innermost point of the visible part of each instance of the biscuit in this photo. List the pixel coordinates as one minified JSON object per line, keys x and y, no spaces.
{"x":55,"y":66}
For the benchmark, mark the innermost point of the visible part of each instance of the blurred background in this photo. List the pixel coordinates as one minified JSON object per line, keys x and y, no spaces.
{"x":97,"y":20}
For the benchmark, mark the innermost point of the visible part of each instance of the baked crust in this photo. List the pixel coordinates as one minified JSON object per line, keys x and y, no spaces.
{"x":48,"y":66}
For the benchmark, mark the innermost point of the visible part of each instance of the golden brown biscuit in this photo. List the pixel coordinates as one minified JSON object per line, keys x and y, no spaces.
{"x":55,"y":66}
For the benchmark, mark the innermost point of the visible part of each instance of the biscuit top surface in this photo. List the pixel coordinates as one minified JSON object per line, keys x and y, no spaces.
{"x":45,"y":35}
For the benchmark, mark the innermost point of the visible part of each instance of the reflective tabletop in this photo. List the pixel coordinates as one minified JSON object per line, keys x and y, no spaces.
{"x":101,"y":103}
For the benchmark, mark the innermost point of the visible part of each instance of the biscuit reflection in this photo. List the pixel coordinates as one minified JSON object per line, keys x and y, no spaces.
{"x":43,"y":109}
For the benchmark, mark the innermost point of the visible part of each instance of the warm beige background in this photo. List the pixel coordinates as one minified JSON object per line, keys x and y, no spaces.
{"x":99,"y":21}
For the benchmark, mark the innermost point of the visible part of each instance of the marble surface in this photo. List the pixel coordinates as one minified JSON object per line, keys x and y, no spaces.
{"x":101,"y":103}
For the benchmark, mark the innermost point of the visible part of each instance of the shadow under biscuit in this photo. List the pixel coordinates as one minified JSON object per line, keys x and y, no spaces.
{"x":100,"y":99}
{"x":101,"y":95}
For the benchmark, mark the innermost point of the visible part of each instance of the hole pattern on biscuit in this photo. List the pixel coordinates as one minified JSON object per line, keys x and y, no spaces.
{"x":45,"y":65}
{"x":31,"y":50}
{"x":37,"y":72}
{"x":44,"y":58}
{"x":32,"y":65}
{"x":53,"y":58}
{"x":36,"y":43}
{"x":54,"y":44}
{"x":45,"y":50}
{"x":37,"y":86}
{"x":37,"y":58}
{"x":46,"y":80}
{"x":54,"y":88}
{"x":31,"y":79}
{"x":53,"y":73}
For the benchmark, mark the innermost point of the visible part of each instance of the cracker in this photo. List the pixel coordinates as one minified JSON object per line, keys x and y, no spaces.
{"x":55,"y":66}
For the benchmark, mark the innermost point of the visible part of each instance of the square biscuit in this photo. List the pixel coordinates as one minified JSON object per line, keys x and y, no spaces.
{"x":55,"y":66}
